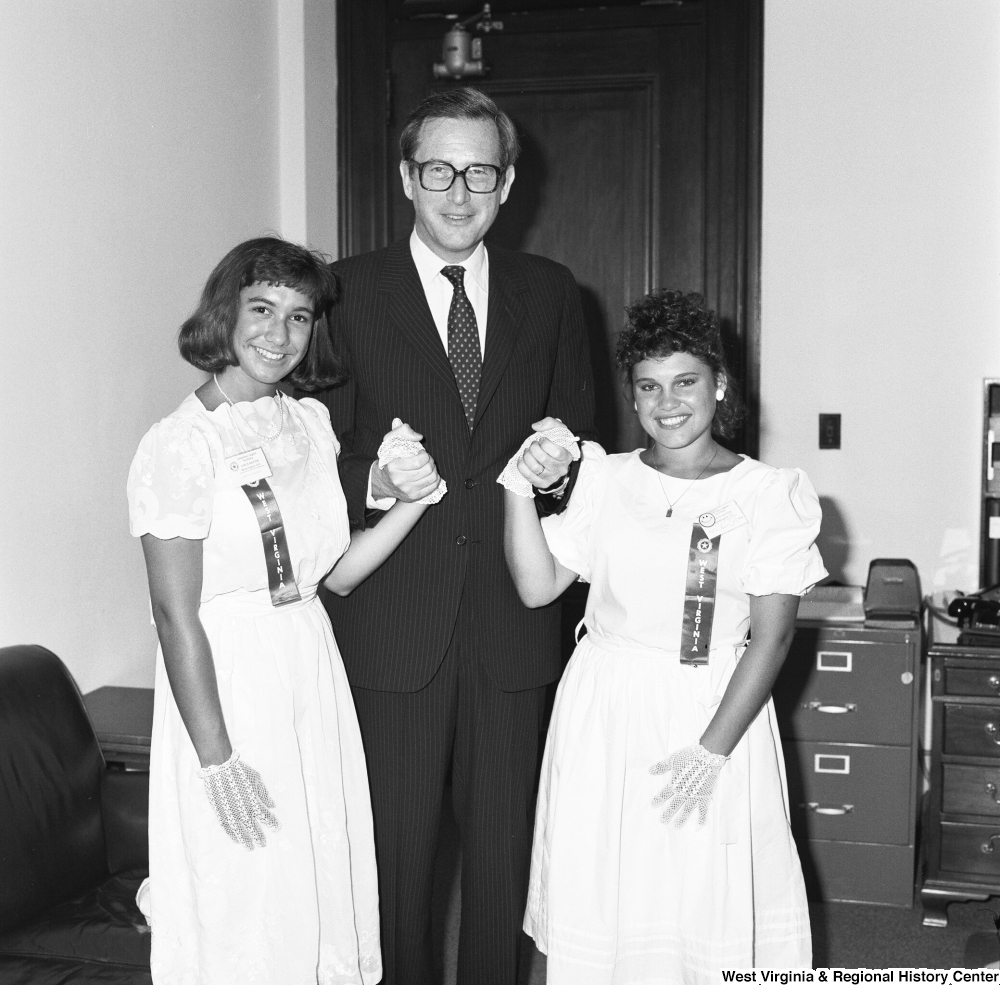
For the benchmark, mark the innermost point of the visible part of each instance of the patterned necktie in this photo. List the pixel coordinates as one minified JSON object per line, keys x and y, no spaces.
{"x":464,"y":353}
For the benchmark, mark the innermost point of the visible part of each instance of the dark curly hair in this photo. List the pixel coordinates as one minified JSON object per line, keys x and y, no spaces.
{"x":206,"y":338}
{"x":664,"y":322}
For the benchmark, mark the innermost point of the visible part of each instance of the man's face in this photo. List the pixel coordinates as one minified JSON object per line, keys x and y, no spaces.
{"x":452,"y":223}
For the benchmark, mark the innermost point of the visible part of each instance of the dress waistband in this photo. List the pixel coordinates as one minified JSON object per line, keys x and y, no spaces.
{"x":255,"y":605}
{"x":634,"y":648}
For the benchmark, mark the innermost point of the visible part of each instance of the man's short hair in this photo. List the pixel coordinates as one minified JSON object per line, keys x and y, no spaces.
{"x":461,"y":103}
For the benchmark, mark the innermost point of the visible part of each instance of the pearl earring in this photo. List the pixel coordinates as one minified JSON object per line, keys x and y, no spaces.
{"x":720,"y":393}
{"x":635,"y":406}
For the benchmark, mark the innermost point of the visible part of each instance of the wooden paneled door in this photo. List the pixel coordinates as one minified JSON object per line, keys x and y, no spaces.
{"x":640,"y":167}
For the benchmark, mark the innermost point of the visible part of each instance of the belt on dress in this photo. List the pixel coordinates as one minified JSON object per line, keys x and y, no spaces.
{"x":254,"y":605}
{"x":635,"y":648}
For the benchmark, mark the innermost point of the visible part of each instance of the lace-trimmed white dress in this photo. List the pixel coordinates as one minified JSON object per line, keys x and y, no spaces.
{"x":303,"y":910}
{"x":617,"y":897}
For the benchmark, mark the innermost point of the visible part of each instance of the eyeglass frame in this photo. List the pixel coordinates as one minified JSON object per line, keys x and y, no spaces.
{"x":455,"y":173}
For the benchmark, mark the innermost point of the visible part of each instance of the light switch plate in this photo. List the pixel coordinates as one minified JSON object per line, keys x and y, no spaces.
{"x":829,"y":430}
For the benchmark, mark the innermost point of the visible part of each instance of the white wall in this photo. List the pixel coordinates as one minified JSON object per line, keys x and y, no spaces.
{"x":881,"y":269}
{"x":140,"y":141}
{"x":320,"y":121}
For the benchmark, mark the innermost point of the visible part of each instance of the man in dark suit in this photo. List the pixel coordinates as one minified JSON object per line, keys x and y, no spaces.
{"x":470,"y":346}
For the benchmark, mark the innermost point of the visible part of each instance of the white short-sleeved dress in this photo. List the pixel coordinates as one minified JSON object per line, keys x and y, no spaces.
{"x":304,"y":909}
{"x":616,"y":896}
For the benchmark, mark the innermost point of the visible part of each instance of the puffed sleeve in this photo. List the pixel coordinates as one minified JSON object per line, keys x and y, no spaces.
{"x":318,"y":415}
{"x":568,"y":533}
{"x":171,"y":483}
{"x":782,"y":557}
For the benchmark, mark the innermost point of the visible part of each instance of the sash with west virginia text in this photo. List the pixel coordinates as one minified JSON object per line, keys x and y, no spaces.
{"x":280,"y":581}
{"x":699,"y":597}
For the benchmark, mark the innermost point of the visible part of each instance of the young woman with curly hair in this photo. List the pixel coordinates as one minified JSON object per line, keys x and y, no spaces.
{"x":662,"y":846}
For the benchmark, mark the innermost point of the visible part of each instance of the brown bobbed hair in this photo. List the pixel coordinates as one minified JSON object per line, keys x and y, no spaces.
{"x":664,"y":322}
{"x":461,"y":103}
{"x":206,"y":337}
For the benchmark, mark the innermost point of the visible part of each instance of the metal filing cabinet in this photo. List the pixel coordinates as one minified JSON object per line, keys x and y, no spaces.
{"x":962,"y":822}
{"x":847,"y":702}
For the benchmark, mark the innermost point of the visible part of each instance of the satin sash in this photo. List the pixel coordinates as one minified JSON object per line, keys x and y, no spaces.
{"x":699,"y":597}
{"x":280,"y":580}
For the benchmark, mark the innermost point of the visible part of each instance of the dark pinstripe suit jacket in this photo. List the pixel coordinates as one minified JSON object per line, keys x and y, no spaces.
{"x":393,"y":630}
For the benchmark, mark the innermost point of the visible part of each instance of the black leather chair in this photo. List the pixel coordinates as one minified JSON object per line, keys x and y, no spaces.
{"x":73,"y":846}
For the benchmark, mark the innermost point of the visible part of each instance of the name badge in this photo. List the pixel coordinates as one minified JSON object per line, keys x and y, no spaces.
{"x":249,"y":466}
{"x":722,"y":519}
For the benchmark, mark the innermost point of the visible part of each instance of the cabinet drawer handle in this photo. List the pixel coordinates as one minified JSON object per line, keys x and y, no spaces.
{"x":991,"y":789}
{"x":987,"y":846}
{"x":991,"y":731}
{"x":830,"y":709}
{"x":838,"y":811}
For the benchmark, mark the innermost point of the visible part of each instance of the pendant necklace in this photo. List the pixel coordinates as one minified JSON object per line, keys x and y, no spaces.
{"x":670,"y":506}
{"x":281,"y":412}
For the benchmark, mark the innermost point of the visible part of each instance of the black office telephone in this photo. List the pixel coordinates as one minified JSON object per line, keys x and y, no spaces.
{"x":978,"y":615}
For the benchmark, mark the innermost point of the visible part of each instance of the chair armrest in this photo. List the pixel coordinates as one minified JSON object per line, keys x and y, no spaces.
{"x":125,"y":811}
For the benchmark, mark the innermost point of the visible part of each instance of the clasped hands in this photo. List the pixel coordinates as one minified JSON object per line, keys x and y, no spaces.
{"x":409,"y":479}
{"x":544,"y":463}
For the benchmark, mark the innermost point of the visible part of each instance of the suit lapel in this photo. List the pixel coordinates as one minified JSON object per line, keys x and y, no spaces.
{"x":505,"y":313}
{"x":408,"y":313}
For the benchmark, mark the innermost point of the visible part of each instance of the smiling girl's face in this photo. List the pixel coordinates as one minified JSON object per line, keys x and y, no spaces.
{"x":675,"y":399}
{"x":270,"y":339}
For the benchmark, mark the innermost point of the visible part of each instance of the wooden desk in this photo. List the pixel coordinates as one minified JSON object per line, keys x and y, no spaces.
{"x":123,"y":721}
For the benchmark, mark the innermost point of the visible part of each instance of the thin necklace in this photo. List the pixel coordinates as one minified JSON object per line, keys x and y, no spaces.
{"x":281,"y":412}
{"x":659,"y":476}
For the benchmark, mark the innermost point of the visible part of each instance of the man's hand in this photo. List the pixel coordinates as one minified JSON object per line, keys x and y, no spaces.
{"x":406,"y":479}
{"x":544,"y":462}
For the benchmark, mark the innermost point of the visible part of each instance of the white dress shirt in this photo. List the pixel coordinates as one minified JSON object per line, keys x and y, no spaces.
{"x":439,"y":291}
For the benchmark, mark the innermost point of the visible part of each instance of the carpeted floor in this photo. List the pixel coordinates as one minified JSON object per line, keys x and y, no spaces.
{"x":851,"y":935}
{"x":845,"y":935}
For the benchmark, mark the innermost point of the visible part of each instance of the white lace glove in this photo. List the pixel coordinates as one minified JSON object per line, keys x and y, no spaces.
{"x":393,"y":446}
{"x":511,"y":479}
{"x":693,"y":772}
{"x":240,"y":800}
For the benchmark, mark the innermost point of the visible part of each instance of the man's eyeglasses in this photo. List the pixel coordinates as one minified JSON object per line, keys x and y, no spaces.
{"x":438,"y":176}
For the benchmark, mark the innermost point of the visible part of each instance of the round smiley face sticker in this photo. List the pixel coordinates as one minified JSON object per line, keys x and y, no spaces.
{"x":707,"y":520}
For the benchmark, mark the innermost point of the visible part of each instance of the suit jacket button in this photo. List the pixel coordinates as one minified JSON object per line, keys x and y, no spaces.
{"x":469,"y":483}
{"x":460,"y":540}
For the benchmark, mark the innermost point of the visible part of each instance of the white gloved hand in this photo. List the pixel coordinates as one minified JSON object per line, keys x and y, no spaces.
{"x":693,"y":773}
{"x":394,"y":446}
{"x":240,"y":800}
{"x":511,"y":479}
